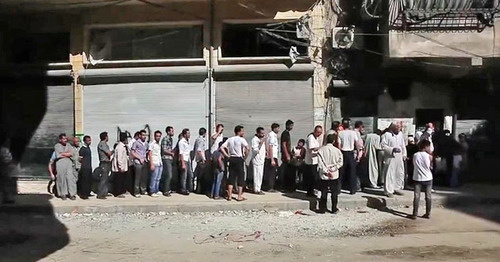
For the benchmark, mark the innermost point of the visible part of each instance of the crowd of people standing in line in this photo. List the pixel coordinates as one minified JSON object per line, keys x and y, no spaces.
{"x":343,"y":158}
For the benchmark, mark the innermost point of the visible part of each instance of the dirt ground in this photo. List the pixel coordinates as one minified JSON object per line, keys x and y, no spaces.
{"x":351,"y":235}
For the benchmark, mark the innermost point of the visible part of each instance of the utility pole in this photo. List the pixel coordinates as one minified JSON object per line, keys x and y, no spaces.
{"x":211,"y":63}
{"x":324,"y":17}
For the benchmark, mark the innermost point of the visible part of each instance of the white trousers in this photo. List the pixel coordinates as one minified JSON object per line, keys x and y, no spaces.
{"x":394,"y":173}
{"x":258,"y":174}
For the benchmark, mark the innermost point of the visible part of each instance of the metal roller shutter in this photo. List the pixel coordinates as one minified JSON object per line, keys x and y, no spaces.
{"x":132,"y":106}
{"x":261,"y":103}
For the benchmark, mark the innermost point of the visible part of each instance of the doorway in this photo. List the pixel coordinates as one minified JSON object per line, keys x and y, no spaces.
{"x":424,"y":116}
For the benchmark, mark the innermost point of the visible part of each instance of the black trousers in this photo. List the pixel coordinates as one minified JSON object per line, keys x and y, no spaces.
{"x":85,"y":182}
{"x":141,"y":179}
{"x":311,"y":178}
{"x":103,"y":183}
{"x":348,"y":172}
{"x":326,"y":186}
{"x":202,"y":178}
{"x":270,"y":173}
{"x":119,"y":183}
{"x":236,"y":171}
{"x":290,"y":174}
{"x":129,"y":179}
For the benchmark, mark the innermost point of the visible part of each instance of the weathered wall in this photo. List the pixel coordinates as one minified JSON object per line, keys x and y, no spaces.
{"x":450,"y":44}
{"x":421,"y":97}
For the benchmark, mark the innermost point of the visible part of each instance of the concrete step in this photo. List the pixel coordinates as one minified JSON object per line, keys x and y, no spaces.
{"x":33,"y":198}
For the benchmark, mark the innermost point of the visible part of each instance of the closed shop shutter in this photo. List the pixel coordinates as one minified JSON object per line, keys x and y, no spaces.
{"x":261,"y":103}
{"x":132,"y":106}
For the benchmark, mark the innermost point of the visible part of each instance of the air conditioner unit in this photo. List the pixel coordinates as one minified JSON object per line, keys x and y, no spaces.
{"x":343,"y":37}
{"x":347,"y":37}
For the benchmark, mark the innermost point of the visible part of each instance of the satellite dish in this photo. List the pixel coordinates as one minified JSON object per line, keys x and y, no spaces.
{"x":344,"y":38}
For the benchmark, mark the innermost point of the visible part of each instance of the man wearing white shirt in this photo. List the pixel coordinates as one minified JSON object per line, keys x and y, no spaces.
{"x":259,"y":156}
{"x":311,"y":175}
{"x":271,"y":164}
{"x":348,"y":143}
{"x":422,"y":175}
{"x":236,"y":149}
{"x":155,"y":165}
{"x":217,"y":138}
{"x":329,"y":162}
{"x":394,"y":146}
{"x":186,"y":183}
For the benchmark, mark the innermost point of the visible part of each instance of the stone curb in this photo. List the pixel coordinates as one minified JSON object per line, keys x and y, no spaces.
{"x":374,"y":202}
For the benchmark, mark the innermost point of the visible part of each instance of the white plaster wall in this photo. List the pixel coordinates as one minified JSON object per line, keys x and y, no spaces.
{"x":447,"y":44}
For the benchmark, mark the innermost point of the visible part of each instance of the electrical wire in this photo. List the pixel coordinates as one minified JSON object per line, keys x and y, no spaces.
{"x":97,"y":2}
{"x":252,"y":9}
{"x":170,"y":8}
{"x":448,"y":46}
{"x":285,"y":39}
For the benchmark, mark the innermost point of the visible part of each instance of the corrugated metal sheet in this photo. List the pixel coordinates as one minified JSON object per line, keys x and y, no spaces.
{"x":58,"y":118}
{"x":132,"y":106}
{"x":261,"y":103}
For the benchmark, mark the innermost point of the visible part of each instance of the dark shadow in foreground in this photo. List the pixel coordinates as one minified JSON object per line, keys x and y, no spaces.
{"x":29,"y":229}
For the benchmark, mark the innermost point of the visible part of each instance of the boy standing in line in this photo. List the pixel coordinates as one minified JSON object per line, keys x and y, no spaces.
{"x":422,"y":175}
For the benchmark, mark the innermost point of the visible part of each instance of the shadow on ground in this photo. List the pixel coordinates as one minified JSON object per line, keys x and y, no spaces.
{"x":482,"y":204}
{"x":380,"y":204}
{"x":30,"y":232}
{"x":302,"y":196}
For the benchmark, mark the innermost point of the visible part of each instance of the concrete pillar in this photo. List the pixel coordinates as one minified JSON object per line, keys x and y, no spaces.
{"x":78,"y":109}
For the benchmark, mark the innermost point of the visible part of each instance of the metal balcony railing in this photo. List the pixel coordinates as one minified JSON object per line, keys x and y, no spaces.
{"x":476,"y":19}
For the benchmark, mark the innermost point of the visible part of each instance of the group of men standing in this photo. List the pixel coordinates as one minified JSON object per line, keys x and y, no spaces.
{"x":146,"y":168}
{"x":68,"y":162}
{"x":372,"y":160}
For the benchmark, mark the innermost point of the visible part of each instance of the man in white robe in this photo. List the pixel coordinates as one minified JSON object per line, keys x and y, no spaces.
{"x":394,"y":146}
{"x":372,"y":146}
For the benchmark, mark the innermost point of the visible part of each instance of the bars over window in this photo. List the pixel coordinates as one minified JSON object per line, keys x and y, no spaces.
{"x":261,"y":40}
{"x":138,"y":43}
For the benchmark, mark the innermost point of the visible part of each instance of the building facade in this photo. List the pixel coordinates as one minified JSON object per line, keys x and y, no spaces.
{"x":186,"y":64}
{"x":195,"y":63}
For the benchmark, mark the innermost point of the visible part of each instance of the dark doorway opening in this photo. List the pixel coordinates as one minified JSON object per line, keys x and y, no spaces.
{"x":425,"y":116}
